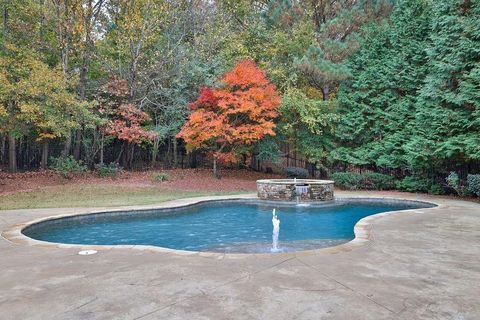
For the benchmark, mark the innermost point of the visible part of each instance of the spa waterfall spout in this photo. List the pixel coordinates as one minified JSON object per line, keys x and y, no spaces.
{"x":276,"y":231}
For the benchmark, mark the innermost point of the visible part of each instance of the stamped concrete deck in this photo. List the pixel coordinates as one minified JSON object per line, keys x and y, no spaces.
{"x":420,"y":264}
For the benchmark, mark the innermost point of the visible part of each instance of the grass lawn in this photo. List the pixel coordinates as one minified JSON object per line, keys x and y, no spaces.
{"x":65,"y":196}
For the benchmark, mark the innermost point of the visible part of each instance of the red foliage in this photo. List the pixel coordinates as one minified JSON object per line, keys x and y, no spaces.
{"x":206,"y":98}
{"x":116,"y":86}
{"x":234,"y":116}
{"x":126,"y":124}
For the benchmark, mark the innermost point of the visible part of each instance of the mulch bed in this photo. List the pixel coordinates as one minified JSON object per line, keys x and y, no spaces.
{"x":178,"y":179}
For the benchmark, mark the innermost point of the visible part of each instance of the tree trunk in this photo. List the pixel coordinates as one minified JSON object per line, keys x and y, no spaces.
{"x":125,"y":155}
{"x":78,"y":144}
{"x":63,"y":36}
{"x":65,"y":58}
{"x":167,"y":154}
{"x":156,"y":142}
{"x":192,"y":159}
{"x":5,"y":17}
{"x":44,"y":162}
{"x":119,"y":157}
{"x":133,"y":77}
{"x":215,"y":172}
{"x":175,"y":156}
{"x":67,"y":146}
{"x":101,"y":148}
{"x":12,"y":153}
{"x":85,"y":56}
{"x":326,"y":92}
{"x":216,"y":168}
{"x":131,"y":156}
{"x":2,"y":149}
{"x":41,"y":34}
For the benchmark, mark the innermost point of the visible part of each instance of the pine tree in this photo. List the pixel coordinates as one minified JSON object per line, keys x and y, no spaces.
{"x":448,"y":106}
{"x":378,"y":102}
{"x":413,"y":100}
{"x":338,"y":31}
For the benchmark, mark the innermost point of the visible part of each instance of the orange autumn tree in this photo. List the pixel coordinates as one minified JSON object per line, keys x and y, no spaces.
{"x":228,"y":120}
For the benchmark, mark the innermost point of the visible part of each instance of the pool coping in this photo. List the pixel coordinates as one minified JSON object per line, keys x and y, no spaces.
{"x":294,"y":182}
{"x":363,"y":229}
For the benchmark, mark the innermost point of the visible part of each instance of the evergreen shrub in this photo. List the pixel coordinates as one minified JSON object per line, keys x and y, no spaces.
{"x":108,"y":170}
{"x":419,"y":184}
{"x":347,"y":180}
{"x":473,"y":184}
{"x":66,"y":167}
{"x":366,"y":181}
{"x":454,"y":182}
{"x":296,"y":172}
{"x":377,"y":181}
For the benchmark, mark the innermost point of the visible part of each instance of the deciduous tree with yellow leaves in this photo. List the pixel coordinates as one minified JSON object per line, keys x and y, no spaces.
{"x":36,"y":97}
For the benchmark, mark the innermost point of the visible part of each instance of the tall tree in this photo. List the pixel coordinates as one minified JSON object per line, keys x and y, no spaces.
{"x":228,"y":121}
{"x":186,"y":58}
{"x":338,"y":24}
{"x":37,"y":98}
{"x":378,"y":102}
{"x":133,"y":28}
{"x":412,"y":102}
{"x":308,"y":123}
{"x":447,"y":121}
{"x":88,"y":13}
{"x":19,"y":34}
{"x":125,"y":119}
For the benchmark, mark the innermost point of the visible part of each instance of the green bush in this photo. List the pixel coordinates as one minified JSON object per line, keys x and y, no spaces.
{"x":161,"y":176}
{"x":108,"y":170}
{"x":366,"y":181}
{"x":454,"y":182}
{"x":473,"y":184}
{"x":66,"y":167}
{"x":419,"y":184}
{"x":296,"y":172}
{"x":347,"y":180}
{"x":413,"y":184}
{"x":435,"y":188}
{"x":377,"y":181}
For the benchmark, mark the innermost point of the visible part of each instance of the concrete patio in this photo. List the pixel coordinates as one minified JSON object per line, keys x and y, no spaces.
{"x":420,"y":264}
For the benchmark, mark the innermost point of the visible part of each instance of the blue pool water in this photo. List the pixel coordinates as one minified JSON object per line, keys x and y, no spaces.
{"x":220,"y":226}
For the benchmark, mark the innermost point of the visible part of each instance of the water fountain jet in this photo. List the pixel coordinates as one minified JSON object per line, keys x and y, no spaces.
{"x":276,"y":231}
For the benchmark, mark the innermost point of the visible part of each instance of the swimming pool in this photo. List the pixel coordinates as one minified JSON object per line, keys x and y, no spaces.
{"x":232,"y":226}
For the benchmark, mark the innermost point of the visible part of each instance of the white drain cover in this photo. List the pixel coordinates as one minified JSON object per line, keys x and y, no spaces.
{"x":87,"y":252}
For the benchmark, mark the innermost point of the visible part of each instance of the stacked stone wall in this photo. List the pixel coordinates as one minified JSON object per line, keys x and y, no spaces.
{"x":270,"y":190}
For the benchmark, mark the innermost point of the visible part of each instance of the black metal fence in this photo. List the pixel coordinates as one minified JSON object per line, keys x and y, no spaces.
{"x":29,"y":155}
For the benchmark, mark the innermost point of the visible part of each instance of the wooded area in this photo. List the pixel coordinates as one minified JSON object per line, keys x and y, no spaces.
{"x":374,"y":84}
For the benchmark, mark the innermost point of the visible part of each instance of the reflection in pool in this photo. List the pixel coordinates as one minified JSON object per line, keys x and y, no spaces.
{"x":221,"y":226}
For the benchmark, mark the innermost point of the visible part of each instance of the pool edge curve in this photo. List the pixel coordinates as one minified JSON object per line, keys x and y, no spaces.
{"x":362,"y":229}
